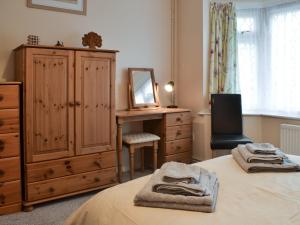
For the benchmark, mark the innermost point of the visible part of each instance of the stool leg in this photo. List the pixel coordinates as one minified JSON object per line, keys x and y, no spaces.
{"x":155,"y":147}
{"x":131,"y":151}
{"x":142,"y":159}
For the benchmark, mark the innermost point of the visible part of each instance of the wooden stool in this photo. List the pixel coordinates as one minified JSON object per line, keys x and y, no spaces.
{"x":140,"y":140}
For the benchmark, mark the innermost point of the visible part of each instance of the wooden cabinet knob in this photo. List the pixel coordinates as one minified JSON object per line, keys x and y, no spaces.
{"x":51,"y":189}
{"x":1,"y":123}
{"x":2,"y":173}
{"x":2,"y":145}
{"x":178,"y":133}
{"x":67,"y":162}
{"x":71,"y":104}
{"x":50,"y":171}
{"x":77,"y":103}
{"x":97,"y":179}
{"x":178,"y":119}
{"x":178,"y":147}
{"x":1,"y":97}
{"x":98,"y":163}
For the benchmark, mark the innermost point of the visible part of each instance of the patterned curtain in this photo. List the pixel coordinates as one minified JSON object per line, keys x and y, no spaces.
{"x":223,"y":76}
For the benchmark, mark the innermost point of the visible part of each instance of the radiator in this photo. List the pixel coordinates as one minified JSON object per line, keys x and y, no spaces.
{"x":290,"y":139}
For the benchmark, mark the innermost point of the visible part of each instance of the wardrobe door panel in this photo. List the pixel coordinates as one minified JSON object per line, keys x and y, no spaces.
{"x":50,"y":104}
{"x":95,"y":116}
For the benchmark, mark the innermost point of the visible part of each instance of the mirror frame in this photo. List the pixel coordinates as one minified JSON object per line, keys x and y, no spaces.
{"x":131,"y":97}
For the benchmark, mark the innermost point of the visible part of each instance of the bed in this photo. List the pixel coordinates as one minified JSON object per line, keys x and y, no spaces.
{"x":243,"y":199}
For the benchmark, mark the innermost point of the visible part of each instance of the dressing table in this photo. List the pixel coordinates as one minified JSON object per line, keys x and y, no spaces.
{"x":172,"y":125}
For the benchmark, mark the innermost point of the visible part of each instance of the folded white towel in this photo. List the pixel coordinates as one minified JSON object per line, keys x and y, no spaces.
{"x":261,"y":148}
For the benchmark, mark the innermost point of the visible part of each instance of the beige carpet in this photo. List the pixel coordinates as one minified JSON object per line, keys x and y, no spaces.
{"x":56,"y":212}
{"x":53,"y":213}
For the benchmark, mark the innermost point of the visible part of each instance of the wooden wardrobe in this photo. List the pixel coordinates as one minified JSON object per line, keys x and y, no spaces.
{"x":68,"y":120}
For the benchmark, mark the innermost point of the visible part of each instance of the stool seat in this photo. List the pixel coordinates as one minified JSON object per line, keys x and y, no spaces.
{"x":140,"y":138}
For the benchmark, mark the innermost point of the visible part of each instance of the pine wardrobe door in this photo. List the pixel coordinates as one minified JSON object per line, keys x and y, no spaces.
{"x":49,"y":90}
{"x":95,"y":108}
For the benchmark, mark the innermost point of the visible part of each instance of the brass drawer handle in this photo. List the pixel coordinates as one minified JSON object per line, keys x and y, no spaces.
{"x":2,"y":173}
{"x":2,"y":145}
{"x":1,"y":97}
{"x":2,"y":199}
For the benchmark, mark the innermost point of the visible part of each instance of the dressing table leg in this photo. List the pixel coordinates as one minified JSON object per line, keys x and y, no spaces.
{"x":119,"y":152}
{"x":155,"y":147}
{"x":142,"y":159}
{"x":131,"y":154}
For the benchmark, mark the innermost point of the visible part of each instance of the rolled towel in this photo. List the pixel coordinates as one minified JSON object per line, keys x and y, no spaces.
{"x":147,"y":197}
{"x":180,"y":172}
{"x":261,"y":148}
{"x":176,"y":183}
{"x":286,"y":166}
{"x":249,"y":157}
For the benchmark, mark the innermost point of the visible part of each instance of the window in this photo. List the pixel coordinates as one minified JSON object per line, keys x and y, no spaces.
{"x":268,"y":58}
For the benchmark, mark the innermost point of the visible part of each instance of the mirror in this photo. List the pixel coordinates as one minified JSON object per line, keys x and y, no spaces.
{"x":142,"y":88}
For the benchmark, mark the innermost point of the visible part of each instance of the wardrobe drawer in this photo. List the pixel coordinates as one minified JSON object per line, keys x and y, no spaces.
{"x":69,"y":184}
{"x":10,"y":169}
{"x":184,"y":157}
{"x":175,"y":119}
{"x":9,"y":121}
{"x":178,"y":132}
{"x":70,"y":166}
{"x":178,"y":146}
{"x":9,"y":145}
{"x":9,"y":96}
{"x":10,"y":193}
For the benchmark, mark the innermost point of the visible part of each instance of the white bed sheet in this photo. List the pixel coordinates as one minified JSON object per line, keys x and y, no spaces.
{"x":243,"y":199}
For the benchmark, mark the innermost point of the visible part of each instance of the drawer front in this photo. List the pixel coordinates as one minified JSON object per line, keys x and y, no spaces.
{"x":69,"y":184}
{"x":185,"y":157}
{"x":9,"y":96}
{"x":178,"y":132}
{"x":10,"y":193}
{"x":178,"y":146}
{"x":9,"y":121}
{"x":10,"y":169}
{"x":175,"y":119}
{"x":9,"y":145}
{"x":70,"y":166}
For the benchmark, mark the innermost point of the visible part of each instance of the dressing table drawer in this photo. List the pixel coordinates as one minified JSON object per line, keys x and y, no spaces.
{"x":178,"y":146}
{"x":185,"y":157}
{"x":178,"y":132}
{"x":175,"y":119}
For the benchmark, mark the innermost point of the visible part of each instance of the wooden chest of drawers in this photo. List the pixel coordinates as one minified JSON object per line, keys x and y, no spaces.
{"x":10,"y":178}
{"x":175,"y":130}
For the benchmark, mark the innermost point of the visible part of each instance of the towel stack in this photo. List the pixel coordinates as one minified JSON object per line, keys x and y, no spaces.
{"x":180,"y":186}
{"x":263,"y":157}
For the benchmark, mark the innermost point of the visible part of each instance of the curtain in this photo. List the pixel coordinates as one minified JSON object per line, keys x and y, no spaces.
{"x":223,"y":76}
{"x":268,"y":53}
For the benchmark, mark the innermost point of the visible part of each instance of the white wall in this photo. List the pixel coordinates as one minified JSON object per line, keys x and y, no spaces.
{"x":140,"y":29}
